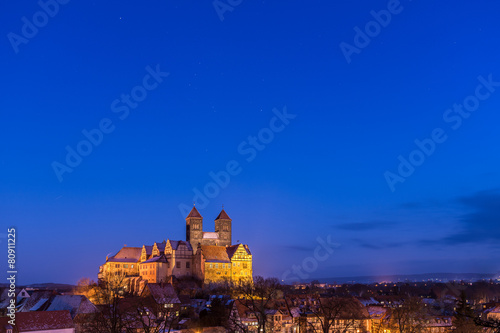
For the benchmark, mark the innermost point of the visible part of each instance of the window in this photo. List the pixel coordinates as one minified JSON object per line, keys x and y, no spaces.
{"x":117,"y":265}
{"x":188,"y":264}
{"x":132,"y":266}
{"x":125,"y":266}
{"x":210,"y":265}
{"x":178,"y":264}
{"x":244,"y":265}
{"x":216,"y":265}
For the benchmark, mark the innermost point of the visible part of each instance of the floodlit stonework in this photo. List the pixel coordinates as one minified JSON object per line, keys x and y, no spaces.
{"x":208,"y":256}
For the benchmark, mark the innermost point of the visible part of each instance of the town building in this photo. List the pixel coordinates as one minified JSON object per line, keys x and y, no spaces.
{"x":205,"y":255}
{"x":39,"y":322}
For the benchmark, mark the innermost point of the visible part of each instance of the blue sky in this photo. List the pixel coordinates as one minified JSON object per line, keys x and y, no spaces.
{"x":321,"y":172}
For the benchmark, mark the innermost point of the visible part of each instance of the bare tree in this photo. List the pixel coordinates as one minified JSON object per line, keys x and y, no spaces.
{"x":149,"y":316}
{"x":335,"y":315}
{"x":408,"y":317}
{"x":257,"y":298}
{"x":108,"y":296}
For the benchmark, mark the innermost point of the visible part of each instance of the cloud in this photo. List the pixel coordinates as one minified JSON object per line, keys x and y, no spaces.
{"x":479,"y":221}
{"x":362,"y":226}
{"x":482,"y":222}
{"x":379,"y":245}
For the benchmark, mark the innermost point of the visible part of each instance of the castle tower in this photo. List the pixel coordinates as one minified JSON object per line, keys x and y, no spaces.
{"x":194,"y":228}
{"x":223,"y":228}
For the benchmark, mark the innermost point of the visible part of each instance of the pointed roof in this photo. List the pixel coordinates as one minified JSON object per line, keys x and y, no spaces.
{"x":126,"y":254}
{"x":175,"y":244}
{"x":194,"y":213}
{"x":214,"y":253}
{"x":41,"y":321}
{"x":162,"y":293}
{"x":223,"y":215}
{"x":231,"y":250}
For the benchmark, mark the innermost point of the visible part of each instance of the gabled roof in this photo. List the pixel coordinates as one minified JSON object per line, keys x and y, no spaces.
{"x":175,"y":244}
{"x":162,"y":293}
{"x":148,"y":248}
{"x":223,"y":216}
{"x":161,"y":246}
{"x":160,"y":258}
{"x":75,"y":304}
{"x":213,"y":253}
{"x":37,"y":299}
{"x":194,"y":213}
{"x":40,"y":321}
{"x":127,"y":254}
{"x":231,"y":250}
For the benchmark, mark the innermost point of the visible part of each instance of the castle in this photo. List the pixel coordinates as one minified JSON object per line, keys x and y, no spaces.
{"x":208,"y":256}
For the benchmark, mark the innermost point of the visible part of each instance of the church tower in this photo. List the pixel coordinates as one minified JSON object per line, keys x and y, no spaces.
{"x":223,"y":228}
{"x":194,"y":228}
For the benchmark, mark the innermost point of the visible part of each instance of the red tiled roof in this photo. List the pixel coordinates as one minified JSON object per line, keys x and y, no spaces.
{"x":127,"y":253}
{"x":40,"y":320}
{"x":194,"y":213}
{"x":223,"y":216}
{"x":163,"y":294}
{"x":214,"y":253}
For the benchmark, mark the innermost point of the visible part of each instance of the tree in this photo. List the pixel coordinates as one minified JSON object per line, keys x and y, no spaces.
{"x":464,"y":317}
{"x":88,"y":288}
{"x":149,"y":316}
{"x":408,"y":317}
{"x":216,"y":315}
{"x":108,"y":296}
{"x":257,"y":298}
{"x":335,"y":315}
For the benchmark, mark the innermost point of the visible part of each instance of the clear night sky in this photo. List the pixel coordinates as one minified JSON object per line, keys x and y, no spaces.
{"x":321,"y":174}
